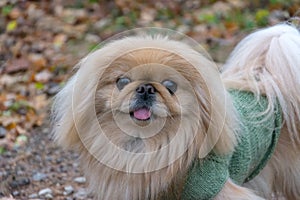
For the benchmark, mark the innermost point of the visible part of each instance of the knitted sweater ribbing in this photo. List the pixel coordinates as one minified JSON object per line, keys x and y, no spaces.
{"x":259,"y":134}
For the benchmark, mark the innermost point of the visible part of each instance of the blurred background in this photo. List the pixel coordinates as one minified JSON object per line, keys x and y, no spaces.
{"x":40,"y":42}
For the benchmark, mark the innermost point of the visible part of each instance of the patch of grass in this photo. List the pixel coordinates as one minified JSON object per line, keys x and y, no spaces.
{"x":94,"y":1}
{"x":244,"y":20}
{"x":2,"y":150}
{"x":18,"y":105}
{"x":209,"y":18}
{"x":39,"y":86}
{"x":261,"y":17}
{"x":164,"y":14}
{"x":282,"y":2}
{"x":6,"y":10}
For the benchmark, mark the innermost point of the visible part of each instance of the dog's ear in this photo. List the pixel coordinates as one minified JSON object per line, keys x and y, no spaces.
{"x":216,"y":112}
{"x":63,"y":126}
{"x":73,"y":112}
{"x":73,"y":107}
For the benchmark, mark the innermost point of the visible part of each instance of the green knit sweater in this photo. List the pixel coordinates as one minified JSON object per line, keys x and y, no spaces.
{"x":259,"y":135}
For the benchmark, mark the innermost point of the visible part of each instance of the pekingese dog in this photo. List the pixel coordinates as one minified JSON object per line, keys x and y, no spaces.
{"x":152,"y":118}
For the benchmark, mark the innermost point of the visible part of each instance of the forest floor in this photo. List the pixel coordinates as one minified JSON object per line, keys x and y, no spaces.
{"x":40,"y":42}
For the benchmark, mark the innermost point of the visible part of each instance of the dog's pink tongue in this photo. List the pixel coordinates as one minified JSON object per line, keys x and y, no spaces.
{"x":142,"y":114}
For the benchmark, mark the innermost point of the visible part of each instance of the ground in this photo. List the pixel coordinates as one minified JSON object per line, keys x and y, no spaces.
{"x":41,"y":165}
{"x":40,"y":42}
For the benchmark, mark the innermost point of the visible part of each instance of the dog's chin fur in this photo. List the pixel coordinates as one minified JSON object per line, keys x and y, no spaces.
{"x":125,"y":158}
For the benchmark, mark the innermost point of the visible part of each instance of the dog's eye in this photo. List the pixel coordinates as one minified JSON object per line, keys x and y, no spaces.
{"x":170,"y":85}
{"x":122,"y":82}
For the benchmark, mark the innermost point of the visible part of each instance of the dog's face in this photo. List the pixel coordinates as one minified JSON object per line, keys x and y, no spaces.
{"x":146,"y":95}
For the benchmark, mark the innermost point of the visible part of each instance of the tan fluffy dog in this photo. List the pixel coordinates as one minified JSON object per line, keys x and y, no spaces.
{"x":141,"y":110}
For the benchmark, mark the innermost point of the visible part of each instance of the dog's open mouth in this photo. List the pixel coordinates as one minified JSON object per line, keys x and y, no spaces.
{"x":141,"y":114}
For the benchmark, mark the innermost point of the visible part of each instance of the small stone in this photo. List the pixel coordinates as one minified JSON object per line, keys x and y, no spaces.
{"x":45,"y":130}
{"x":20,"y":173}
{"x":80,"y":179}
{"x":39,"y":176}
{"x":21,"y":140}
{"x":80,"y":194}
{"x":43,"y":76}
{"x":92,"y":38}
{"x":45,"y":191}
{"x":48,"y":196}
{"x":19,"y":181}
{"x":68,"y":190}
{"x":102,"y":23}
{"x":3,"y":174}
{"x":54,"y":89}
{"x":33,"y":196}
{"x":2,"y":132}
{"x":183,"y":29}
{"x":15,"y":193}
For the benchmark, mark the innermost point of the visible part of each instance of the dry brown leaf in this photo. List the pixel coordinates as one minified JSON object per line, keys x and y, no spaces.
{"x":59,"y":40}
{"x":40,"y":102}
{"x":20,"y":130}
{"x":8,"y":120}
{"x":37,"y":60}
{"x":17,"y":65}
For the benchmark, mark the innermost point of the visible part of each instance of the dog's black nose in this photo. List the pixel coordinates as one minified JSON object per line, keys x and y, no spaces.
{"x":145,"y":90}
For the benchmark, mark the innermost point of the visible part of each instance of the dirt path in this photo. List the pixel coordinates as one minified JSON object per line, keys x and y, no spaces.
{"x":41,"y":170}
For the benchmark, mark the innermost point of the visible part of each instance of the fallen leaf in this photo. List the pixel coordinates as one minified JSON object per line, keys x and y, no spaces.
{"x":37,"y":60}
{"x":40,"y":102}
{"x":17,"y":65}
{"x":15,"y":13}
{"x":39,"y":86}
{"x":59,"y":40}
{"x":20,"y":130}
{"x":12,"y":25}
{"x":11,"y":125}
{"x":9,"y":122}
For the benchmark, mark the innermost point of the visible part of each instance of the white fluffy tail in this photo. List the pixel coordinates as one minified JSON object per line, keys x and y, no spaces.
{"x":267,"y":62}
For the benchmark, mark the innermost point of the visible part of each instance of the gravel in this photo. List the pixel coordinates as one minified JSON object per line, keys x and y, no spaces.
{"x":33,"y":196}
{"x":45,"y":191}
{"x":80,"y":180}
{"x":2,"y":132}
{"x":81,"y":194}
{"x":39,"y":176}
{"x":48,"y":196}
{"x":68,"y":190}
{"x":41,"y":170}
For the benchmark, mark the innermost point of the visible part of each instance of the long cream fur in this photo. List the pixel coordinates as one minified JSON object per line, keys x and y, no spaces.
{"x":266,"y":62}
